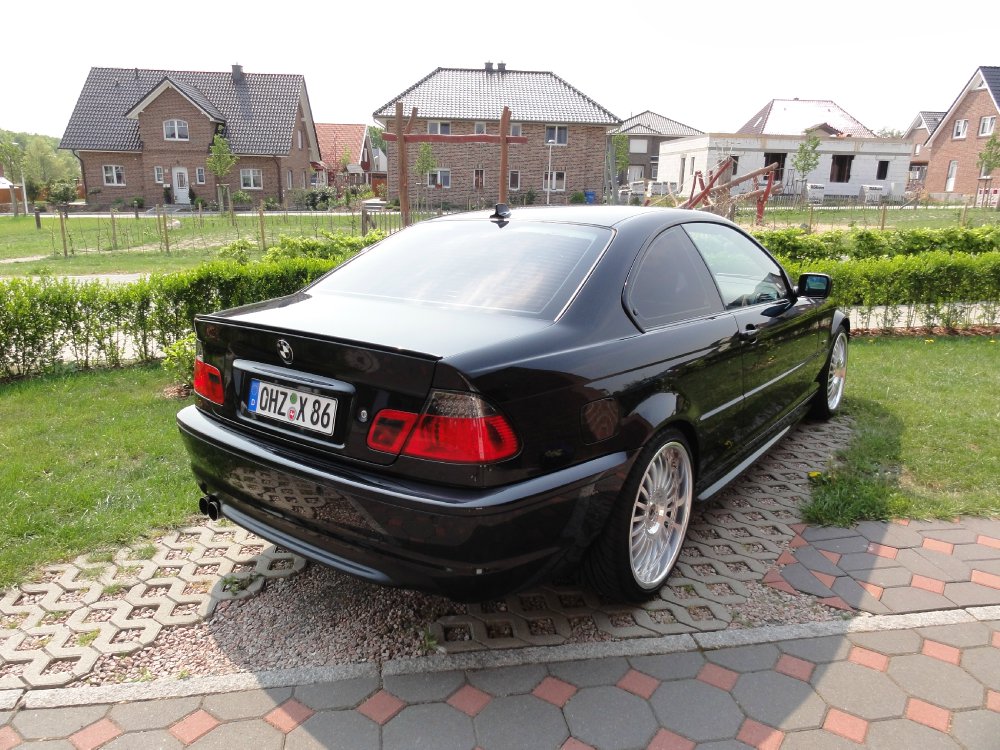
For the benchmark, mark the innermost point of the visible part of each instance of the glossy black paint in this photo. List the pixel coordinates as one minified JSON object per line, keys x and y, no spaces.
{"x":584,"y":394}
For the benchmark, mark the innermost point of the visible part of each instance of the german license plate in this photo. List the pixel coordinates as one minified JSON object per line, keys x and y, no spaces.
{"x":292,"y":407}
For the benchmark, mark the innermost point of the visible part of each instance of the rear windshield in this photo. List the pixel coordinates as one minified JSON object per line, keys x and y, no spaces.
{"x":521,"y":269}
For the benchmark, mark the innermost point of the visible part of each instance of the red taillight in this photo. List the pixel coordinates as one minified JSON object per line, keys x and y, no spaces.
{"x":454,"y":427}
{"x":208,"y":382}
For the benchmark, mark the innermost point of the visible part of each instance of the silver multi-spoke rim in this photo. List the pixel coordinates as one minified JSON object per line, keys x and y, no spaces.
{"x":838,"y":372}
{"x":660,"y":515}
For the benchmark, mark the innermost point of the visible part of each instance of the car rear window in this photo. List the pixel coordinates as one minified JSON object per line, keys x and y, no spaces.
{"x":530,"y":269}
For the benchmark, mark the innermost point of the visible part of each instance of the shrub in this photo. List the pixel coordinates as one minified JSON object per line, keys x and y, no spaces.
{"x":237,"y":251}
{"x":578,"y":197}
{"x":241,"y":198}
{"x":137,"y":201}
{"x":178,"y":360}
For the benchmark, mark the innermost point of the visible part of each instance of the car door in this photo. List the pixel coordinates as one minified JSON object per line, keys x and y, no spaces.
{"x":779,"y":333}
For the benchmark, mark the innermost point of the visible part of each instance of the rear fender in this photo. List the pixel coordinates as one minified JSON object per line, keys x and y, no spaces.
{"x":654,"y":414}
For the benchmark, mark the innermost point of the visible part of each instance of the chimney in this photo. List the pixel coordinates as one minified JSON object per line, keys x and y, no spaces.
{"x":489,"y":67}
{"x":237,"y":74}
{"x":502,"y":67}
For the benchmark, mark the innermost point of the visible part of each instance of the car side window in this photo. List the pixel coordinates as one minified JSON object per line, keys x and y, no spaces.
{"x":670,"y":282}
{"x":744,"y":274}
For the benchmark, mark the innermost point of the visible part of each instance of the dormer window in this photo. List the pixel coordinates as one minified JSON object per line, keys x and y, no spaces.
{"x":175,"y":130}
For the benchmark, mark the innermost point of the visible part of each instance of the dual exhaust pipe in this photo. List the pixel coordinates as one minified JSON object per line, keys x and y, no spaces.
{"x":211,"y":507}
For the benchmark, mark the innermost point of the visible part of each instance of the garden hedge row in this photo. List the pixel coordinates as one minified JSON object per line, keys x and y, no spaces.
{"x":798,"y":244}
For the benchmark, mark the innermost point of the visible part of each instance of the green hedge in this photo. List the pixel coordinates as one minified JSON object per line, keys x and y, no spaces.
{"x":798,"y":244}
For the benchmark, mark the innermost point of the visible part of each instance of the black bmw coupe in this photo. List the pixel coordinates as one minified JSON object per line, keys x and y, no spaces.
{"x":488,"y":399}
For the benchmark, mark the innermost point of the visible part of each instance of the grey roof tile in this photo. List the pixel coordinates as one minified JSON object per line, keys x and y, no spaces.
{"x":793,"y":116}
{"x":480,"y":94}
{"x":991,"y":75}
{"x":651,"y":123}
{"x":259,"y":110}
{"x":932,"y":120}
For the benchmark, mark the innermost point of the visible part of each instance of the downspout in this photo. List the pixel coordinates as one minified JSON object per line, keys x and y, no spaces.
{"x":281,"y":184}
{"x":83,"y":174}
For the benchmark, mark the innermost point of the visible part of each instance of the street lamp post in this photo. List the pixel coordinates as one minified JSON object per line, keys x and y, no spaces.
{"x":548,"y":176}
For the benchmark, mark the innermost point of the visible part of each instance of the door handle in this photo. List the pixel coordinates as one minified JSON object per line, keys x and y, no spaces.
{"x":749,"y":334}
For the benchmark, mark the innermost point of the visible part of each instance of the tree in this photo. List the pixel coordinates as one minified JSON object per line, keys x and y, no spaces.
{"x":219,"y":162}
{"x":619,"y":145}
{"x":988,"y":162}
{"x":426,"y":163}
{"x":889,"y":133}
{"x":806,"y":158}
{"x":12,"y":158}
{"x":375,"y":136}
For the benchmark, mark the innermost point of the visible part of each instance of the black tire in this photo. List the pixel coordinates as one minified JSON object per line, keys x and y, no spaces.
{"x":832,"y":378}
{"x":642,"y":540}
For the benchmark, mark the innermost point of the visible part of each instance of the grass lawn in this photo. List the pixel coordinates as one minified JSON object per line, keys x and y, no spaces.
{"x":927,"y":440}
{"x":869,"y":217}
{"x":91,"y":460}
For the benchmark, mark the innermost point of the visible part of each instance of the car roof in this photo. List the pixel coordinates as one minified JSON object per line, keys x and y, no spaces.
{"x":606,"y":216}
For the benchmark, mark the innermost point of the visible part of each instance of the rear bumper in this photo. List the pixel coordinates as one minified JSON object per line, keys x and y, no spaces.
{"x":466,"y":544}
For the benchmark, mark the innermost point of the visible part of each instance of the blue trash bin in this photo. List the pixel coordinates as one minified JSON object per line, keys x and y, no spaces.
{"x":590,"y":196}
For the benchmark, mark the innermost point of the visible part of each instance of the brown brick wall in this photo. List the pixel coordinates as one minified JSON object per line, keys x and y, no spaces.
{"x":582,"y":159}
{"x":100,"y":195}
{"x":965,"y":150}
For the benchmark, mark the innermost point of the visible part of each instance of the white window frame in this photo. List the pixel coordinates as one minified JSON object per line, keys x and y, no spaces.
{"x":440,"y":177}
{"x":438,"y":127}
{"x":479,"y":128}
{"x":553,"y":133}
{"x":116,"y":172}
{"x":638,"y":145}
{"x":983,"y":174}
{"x":515,"y":129}
{"x":514,"y":179}
{"x":199,"y":175}
{"x":960,"y":130}
{"x":291,"y":179}
{"x":299,"y":133}
{"x":251,"y":178}
{"x":172,"y":130}
{"x":987,"y":124}
{"x":158,"y":175}
{"x":654,"y":167}
{"x":951,"y":176}
{"x":554,"y":174}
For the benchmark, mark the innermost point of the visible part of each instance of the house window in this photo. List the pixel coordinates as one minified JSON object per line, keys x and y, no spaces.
{"x":736,"y":164}
{"x":779,"y":159}
{"x":299,"y":133}
{"x":556,"y":179}
{"x":515,"y":128}
{"x":158,"y":175}
{"x":557,"y":134}
{"x":961,"y":128}
{"x":440,"y":178}
{"x":514,"y":180}
{"x":883,"y":170}
{"x":290,"y":182}
{"x":199,"y":175}
{"x":251,"y":179}
{"x":479,"y":179}
{"x":434,"y":127}
{"x":638,"y":145}
{"x":916,"y":149}
{"x":175,"y":130}
{"x":114,"y":174}
{"x":949,"y":183}
{"x":986,"y":125}
{"x":984,"y":172}
{"x":480,"y":128}
{"x":680,"y":176}
{"x":840,"y":170}
{"x":692,"y":166}
{"x":654,"y":167}
{"x":635,"y":172}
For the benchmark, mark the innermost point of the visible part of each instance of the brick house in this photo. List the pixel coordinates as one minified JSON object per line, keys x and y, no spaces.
{"x":146,"y":134}
{"x":336,"y":140}
{"x":922,"y":128}
{"x":561,"y":124}
{"x":954,"y":146}
{"x":646,"y":131}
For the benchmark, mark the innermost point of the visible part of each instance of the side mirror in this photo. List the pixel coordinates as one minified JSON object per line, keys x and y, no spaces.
{"x":817,"y":285}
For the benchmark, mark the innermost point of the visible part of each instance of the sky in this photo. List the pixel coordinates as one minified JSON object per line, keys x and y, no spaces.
{"x":711,"y":66}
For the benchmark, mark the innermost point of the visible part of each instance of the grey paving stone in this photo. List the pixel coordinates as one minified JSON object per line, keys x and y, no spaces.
{"x":816,"y":562}
{"x":936,"y":681}
{"x":40,"y":723}
{"x":697,"y":710}
{"x":155,"y":739}
{"x":890,"y":534}
{"x":958,"y":534}
{"x":610,"y":718}
{"x":520,"y":722}
{"x":851,"y":592}
{"x":338,"y":694}
{"x":590,"y":673}
{"x":802,"y":579}
{"x":976,"y":730}
{"x":975,"y":552}
{"x":987,"y":566}
{"x":424,"y":687}
{"x":746,"y":658}
{"x":963,"y":635}
{"x":845,"y":546}
{"x":255,"y":733}
{"x":983,"y":664}
{"x":435,"y":726}
{"x":779,"y":701}
{"x":724,"y":745}
{"x":670,"y":666}
{"x":818,"y":650}
{"x":884,"y":577}
{"x":909,"y":599}
{"x":956,"y":568}
{"x":859,"y":690}
{"x":334,"y":730}
{"x":816,"y":739}
{"x":245,"y":704}
{"x":903,"y":733}
{"x":889,"y":642}
{"x":986,"y":526}
{"x":865,"y":561}
{"x":49,"y":745}
{"x":508,"y":680}
{"x":158,"y":714}
{"x":933,"y":524}
{"x":819,"y":533}
{"x":971,"y":594}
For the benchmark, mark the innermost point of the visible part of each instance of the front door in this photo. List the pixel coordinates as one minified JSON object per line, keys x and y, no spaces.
{"x":181,"y":195}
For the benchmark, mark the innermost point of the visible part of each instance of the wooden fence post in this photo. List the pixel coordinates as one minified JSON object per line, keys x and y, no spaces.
{"x":62,"y":228}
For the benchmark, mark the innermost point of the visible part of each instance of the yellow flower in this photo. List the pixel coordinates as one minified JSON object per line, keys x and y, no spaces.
{"x":928,"y":341}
